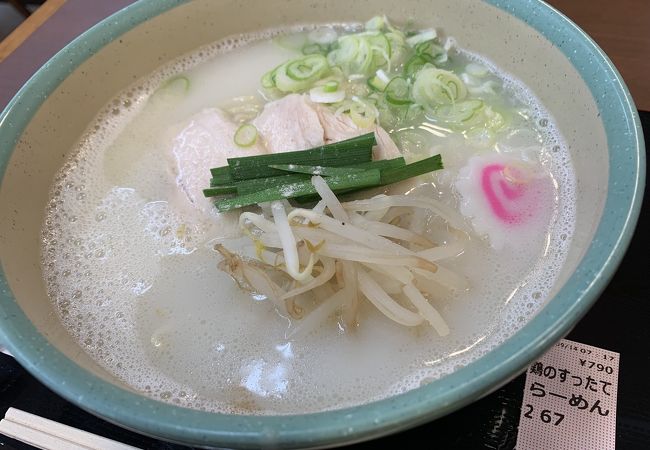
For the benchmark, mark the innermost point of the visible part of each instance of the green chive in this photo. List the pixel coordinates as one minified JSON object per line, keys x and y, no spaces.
{"x":220,"y":175}
{"x":300,"y":188}
{"x":344,"y":153}
{"x":393,"y":175}
{"x":316,"y":170}
{"x":260,"y":184}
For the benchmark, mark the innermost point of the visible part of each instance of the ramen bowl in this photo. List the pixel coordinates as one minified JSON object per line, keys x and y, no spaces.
{"x":528,"y":39}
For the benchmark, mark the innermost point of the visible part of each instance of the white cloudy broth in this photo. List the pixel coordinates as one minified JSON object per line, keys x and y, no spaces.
{"x":130,"y":265}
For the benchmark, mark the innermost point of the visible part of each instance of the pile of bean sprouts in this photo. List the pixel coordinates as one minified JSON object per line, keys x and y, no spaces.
{"x":335,"y":255}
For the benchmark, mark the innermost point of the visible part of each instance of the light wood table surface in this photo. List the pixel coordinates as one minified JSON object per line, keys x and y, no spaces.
{"x":622,"y":29}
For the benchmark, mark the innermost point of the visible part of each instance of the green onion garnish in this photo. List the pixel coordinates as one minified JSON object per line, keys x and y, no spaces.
{"x":397,"y":91}
{"x":220,"y":190}
{"x":316,"y":170}
{"x":344,"y":153}
{"x":393,"y":175}
{"x":246,"y":135}
{"x":220,"y":175}
{"x":259,"y":184}
{"x":331,"y":86}
{"x":346,"y":166}
{"x":358,"y":180}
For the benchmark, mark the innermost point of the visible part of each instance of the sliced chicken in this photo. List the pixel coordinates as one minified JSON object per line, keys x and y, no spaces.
{"x":385,"y":148}
{"x":205,"y":142}
{"x":337,"y":127}
{"x":295,"y":123}
{"x":341,"y":127}
{"x":289,"y":124}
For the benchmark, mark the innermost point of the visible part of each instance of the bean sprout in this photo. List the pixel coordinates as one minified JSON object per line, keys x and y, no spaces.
{"x":317,"y":263}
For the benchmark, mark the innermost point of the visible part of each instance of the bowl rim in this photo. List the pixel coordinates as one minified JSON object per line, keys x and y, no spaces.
{"x":173,"y":423}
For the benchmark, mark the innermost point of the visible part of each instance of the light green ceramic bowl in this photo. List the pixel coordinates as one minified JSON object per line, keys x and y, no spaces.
{"x":527,"y":38}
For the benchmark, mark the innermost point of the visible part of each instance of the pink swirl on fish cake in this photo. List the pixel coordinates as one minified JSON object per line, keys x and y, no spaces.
{"x":506,"y":197}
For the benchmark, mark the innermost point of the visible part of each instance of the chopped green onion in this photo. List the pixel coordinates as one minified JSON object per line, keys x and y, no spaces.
{"x":397,"y":45}
{"x":331,"y":86}
{"x":379,"y":81}
{"x":315,"y":49}
{"x":486,"y":88}
{"x":476,"y":70}
{"x":397,"y":92}
{"x":297,"y":74}
{"x":291,"y":41}
{"x":173,"y":87}
{"x":300,"y":188}
{"x":494,"y":120}
{"x":376,"y":84}
{"x":430,"y":51}
{"x":353,"y":55}
{"x":323,"y":35}
{"x":381,"y":49}
{"x":362,"y":112}
{"x":306,"y":68}
{"x":376,"y":23}
{"x":246,"y":135}
{"x":319,"y":94}
{"x":414,"y":65}
{"x":434,"y":87}
{"x":177,"y":83}
{"x":383,"y":76}
{"x":362,"y":53}
{"x":427,"y":35}
{"x":268,"y":79}
{"x":459,"y":112}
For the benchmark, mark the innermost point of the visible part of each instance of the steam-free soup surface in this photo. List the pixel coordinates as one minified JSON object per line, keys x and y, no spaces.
{"x":130,"y":266}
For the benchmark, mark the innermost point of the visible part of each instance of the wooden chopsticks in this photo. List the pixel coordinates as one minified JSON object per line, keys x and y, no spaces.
{"x":49,"y":435}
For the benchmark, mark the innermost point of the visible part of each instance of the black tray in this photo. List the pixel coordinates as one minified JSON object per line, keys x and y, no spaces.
{"x":618,"y":322}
